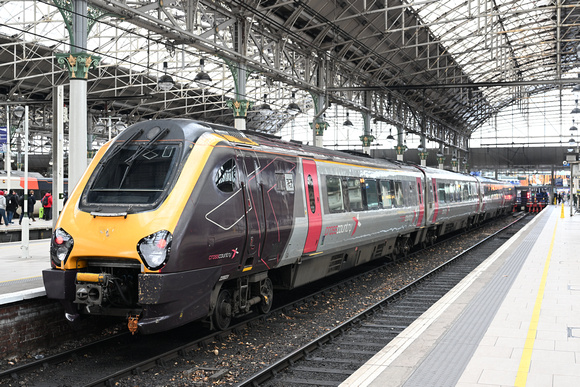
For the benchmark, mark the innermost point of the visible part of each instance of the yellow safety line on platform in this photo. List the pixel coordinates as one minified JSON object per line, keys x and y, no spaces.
{"x":20,"y":279}
{"x":526,"y":359}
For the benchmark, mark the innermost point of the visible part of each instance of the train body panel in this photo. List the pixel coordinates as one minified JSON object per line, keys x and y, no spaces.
{"x":176,"y":221}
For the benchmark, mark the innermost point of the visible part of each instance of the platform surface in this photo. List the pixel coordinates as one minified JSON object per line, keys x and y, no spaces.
{"x":21,"y":278}
{"x":514,"y":321}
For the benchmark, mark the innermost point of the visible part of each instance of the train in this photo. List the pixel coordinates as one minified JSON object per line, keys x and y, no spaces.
{"x":36,"y":182}
{"x":177,"y":221}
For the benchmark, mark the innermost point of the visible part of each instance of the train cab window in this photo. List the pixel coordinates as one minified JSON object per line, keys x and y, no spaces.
{"x":387,"y":193}
{"x":225,"y":177}
{"x":354,"y":194}
{"x":370,"y":193}
{"x":133,"y":174}
{"x":399,"y":196}
{"x":334,"y":194}
{"x":311,"y":194}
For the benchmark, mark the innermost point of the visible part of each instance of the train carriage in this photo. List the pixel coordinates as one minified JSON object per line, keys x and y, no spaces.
{"x":177,"y":220}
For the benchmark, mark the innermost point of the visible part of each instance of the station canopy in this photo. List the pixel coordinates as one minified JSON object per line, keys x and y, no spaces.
{"x":457,"y":72}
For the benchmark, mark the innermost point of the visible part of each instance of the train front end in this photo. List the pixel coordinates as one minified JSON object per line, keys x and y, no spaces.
{"x":115,"y":239}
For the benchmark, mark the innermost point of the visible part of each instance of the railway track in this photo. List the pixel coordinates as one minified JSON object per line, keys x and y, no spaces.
{"x":333,"y":357}
{"x":122,"y":356}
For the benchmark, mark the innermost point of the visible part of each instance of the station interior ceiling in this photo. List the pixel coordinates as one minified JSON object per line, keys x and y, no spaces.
{"x":442,"y":72}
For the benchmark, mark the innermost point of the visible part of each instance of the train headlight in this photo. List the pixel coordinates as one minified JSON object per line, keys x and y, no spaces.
{"x":155,"y":248}
{"x":61,"y":245}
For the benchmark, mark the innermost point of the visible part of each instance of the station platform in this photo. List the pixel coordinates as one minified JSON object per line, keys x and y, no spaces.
{"x":514,"y":321}
{"x":21,"y":278}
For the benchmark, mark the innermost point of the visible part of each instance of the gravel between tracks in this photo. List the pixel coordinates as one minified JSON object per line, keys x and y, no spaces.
{"x":244,"y":353}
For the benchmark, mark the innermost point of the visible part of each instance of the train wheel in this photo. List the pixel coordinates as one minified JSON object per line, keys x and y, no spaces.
{"x":222,"y":314}
{"x":267,"y":295}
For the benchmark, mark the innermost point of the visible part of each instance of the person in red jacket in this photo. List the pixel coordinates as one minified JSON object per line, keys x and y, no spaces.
{"x":47,"y":205}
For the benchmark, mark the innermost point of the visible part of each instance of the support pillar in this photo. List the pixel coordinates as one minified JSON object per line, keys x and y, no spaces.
{"x":367,"y":138}
{"x":240,"y":105}
{"x":78,"y":20}
{"x":57,"y":153}
{"x":319,"y":125}
{"x":400,"y":148}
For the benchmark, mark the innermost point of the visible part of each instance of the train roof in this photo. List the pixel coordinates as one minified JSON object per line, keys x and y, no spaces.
{"x":32,"y":175}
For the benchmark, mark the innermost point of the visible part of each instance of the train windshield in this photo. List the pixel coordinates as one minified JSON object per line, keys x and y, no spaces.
{"x":134,"y":174}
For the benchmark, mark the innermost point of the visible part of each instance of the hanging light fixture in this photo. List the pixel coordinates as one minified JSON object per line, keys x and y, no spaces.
{"x":100,"y":126}
{"x":120,"y":126}
{"x":390,"y":136}
{"x":293,"y":107}
{"x":265,"y":107}
{"x":202,"y":78}
{"x":576,"y":110}
{"x":165,"y":82}
{"x":347,"y":122}
{"x":573,"y":127}
{"x":18,"y":111}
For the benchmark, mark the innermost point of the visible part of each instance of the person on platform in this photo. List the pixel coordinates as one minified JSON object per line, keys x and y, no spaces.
{"x":11,"y":205}
{"x":3,"y":208}
{"x":47,"y":205}
{"x":31,"y":203}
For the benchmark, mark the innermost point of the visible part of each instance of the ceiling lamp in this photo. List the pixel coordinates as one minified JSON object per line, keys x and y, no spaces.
{"x":264,"y":107}
{"x":19,"y":111}
{"x":293,"y":107}
{"x":100,"y":126}
{"x":347,"y":122}
{"x":202,"y":78}
{"x":120,"y":126}
{"x":573,"y":127}
{"x":576,"y":110}
{"x":165,"y":82}
{"x":390,"y":136}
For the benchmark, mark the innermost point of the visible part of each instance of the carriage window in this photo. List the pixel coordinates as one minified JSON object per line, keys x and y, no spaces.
{"x":387,"y":193}
{"x":225,"y":178}
{"x":354,"y":194}
{"x":371,"y":194}
{"x":449,"y":192}
{"x":465,"y":192}
{"x":399,"y":196}
{"x":441,"y":193}
{"x":411,"y":199}
{"x":334,"y":193}
{"x":311,"y":194}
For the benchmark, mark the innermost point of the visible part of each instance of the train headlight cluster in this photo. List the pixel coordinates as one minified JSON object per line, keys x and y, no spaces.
{"x":154,"y":249}
{"x":60,"y":247}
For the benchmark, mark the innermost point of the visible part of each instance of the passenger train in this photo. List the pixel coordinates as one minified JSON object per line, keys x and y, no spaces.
{"x":36,"y":182}
{"x":177,"y":220}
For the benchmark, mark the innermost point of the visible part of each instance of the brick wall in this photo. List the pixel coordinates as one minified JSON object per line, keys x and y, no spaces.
{"x":31,"y":326}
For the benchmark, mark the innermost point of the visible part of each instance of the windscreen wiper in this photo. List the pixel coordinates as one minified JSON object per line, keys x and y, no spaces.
{"x":139,"y":152}
{"x":122,"y":146}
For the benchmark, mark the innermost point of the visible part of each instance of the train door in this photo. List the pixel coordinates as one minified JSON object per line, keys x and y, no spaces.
{"x":312,"y":206}
{"x":254,"y":206}
{"x":435,"y":200}
{"x":422,"y":196}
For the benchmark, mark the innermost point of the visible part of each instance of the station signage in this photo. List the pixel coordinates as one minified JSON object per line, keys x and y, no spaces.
{"x":3,"y":139}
